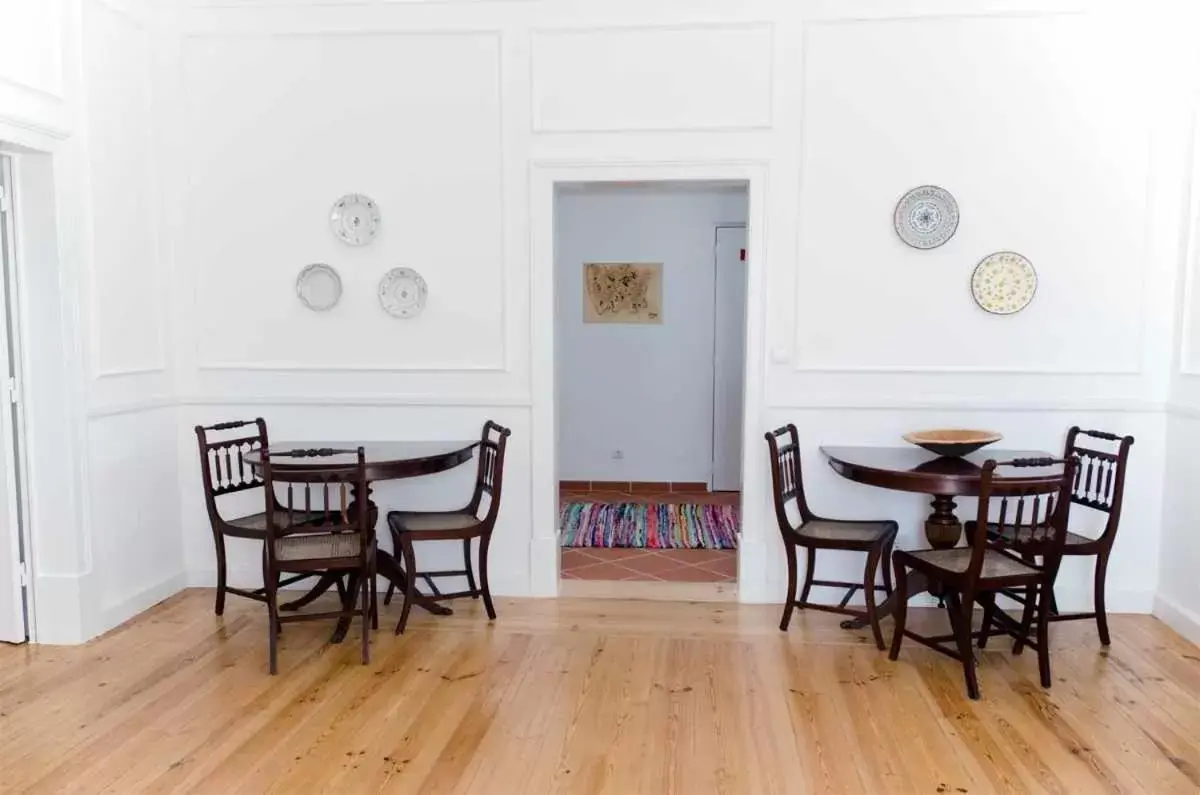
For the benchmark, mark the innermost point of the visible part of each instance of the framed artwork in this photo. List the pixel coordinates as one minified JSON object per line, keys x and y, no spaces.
{"x":622,"y":292}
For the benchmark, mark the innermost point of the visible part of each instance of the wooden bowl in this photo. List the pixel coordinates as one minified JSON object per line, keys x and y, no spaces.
{"x":952,"y":442}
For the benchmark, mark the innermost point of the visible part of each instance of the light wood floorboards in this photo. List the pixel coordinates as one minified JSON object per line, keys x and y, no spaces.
{"x":584,"y":696}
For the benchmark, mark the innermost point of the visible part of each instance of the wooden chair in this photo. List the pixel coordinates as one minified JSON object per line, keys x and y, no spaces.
{"x":1099,"y":486}
{"x":338,"y":541}
{"x":464,"y":524}
{"x":814,"y":532}
{"x":976,"y":573}
{"x":224,"y":471}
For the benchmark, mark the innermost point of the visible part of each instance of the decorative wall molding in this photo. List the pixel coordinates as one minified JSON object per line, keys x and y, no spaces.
{"x":120,"y":372}
{"x":878,"y":403}
{"x":361,"y":401}
{"x":1185,"y":410}
{"x":1189,"y":363}
{"x":833,"y":16}
{"x":155,"y":403}
{"x":55,"y":95}
{"x":503,"y":360}
{"x":18,"y":127}
{"x":300,"y":367}
{"x":968,"y":369}
{"x":133,"y":17}
{"x":540,"y":125}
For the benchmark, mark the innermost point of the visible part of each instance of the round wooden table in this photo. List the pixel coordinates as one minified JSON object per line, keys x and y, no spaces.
{"x":385,"y":461}
{"x":916,"y":470}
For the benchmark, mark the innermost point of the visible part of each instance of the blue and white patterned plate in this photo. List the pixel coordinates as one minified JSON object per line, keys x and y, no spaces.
{"x":926,"y":217}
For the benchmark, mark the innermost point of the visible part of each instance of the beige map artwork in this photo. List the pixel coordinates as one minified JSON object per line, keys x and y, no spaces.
{"x":622,"y":292}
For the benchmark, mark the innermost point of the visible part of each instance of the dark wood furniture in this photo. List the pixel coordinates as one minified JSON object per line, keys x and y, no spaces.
{"x":917,"y":470}
{"x":813,"y":532}
{"x":465,"y":524}
{"x":225,"y":470}
{"x":1099,"y":485}
{"x":341,"y":540}
{"x":384,"y":461}
{"x":976,"y":573}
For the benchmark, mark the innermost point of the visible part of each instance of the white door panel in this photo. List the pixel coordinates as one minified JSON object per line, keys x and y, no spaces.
{"x":729,"y":358}
{"x":12,"y":588}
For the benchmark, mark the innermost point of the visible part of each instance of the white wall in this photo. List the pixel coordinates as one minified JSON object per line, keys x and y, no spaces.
{"x":1045,"y":139}
{"x":645,"y":390}
{"x":1178,"y":600}
{"x":265,"y":111}
{"x":77,"y":106}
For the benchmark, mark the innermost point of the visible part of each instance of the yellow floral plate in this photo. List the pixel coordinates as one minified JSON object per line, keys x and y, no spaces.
{"x":1003,"y":283}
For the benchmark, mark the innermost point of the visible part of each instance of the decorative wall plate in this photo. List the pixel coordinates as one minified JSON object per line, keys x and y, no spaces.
{"x":1003,"y":283}
{"x":355,"y":219}
{"x":319,"y":287}
{"x":402,"y":292}
{"x":926,"y":217}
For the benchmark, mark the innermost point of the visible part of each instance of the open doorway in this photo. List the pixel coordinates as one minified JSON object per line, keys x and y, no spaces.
{"x":650,"y":290}
{"x":14,"y":546}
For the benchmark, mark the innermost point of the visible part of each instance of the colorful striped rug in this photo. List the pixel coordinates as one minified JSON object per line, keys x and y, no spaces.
{"x":649,"y":525}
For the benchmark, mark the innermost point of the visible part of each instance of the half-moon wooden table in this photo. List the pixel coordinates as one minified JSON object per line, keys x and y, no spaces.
{"x":916,"y":470}
{"x":385,"y":461}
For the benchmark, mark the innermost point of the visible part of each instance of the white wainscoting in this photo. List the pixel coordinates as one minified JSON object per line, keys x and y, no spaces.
{"x":1178,"y":598}
{"x":136,"y":551}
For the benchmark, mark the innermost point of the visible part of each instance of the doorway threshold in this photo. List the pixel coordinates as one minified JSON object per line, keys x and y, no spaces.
{"x":649,"y":591}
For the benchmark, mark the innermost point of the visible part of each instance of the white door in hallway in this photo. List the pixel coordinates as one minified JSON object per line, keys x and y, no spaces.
{"x":729,"y":357}
{"x":13,"y":600}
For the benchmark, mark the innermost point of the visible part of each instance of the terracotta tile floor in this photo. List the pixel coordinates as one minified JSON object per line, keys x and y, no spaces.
{"x":655,"y":565}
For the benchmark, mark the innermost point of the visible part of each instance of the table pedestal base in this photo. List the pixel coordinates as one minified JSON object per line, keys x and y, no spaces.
{"x":386,"y":566}
{"x":942,"y":528}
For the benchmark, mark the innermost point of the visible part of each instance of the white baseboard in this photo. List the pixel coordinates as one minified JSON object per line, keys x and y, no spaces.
{"x":115,"y":615}
{"x":1177,"y":617}
{"x":57,"y":618}
{"x":652,"y":591}
{"x":543,"y":568}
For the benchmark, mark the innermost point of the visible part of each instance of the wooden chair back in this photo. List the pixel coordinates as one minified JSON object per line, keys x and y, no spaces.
{"x":1022,"y":505}
{"x":223,"y":467}
{"x":787,"y":483}
{"x":315,"y":499}
{"x":489,"y":477}
{"x":1100,"y":478}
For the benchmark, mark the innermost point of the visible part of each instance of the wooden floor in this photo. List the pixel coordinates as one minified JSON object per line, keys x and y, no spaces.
{"x":579,"y":696}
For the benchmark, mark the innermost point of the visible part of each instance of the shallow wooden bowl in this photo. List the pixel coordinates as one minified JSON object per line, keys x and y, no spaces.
{"x":952,"y":441}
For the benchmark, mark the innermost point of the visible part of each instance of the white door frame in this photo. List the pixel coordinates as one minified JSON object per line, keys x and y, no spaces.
{"x":54,"y":432}
{"x":544,"y":175}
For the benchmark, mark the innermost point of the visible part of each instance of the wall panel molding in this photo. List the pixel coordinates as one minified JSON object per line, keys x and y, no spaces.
{"x":884,"y":403}
{"x":359,"y":401}
{"x":502,"y":360}
{"x":134,"y":18}
{"x":1189,"y":361}
{"x":1128,"y":363}
{"x":708,"y":87}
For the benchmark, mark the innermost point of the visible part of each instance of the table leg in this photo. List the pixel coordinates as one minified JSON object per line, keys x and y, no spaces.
{"x":389,"y":568}
{"x":917,"y":583}
{"x":326,"y":581}
{"x":942,"y":528}
{"x":348,"y":600}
